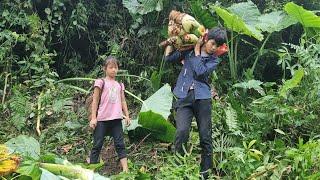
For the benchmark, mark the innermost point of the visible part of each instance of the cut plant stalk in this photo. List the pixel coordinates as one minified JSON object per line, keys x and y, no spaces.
{"x":69,"y":171}
{"x":39,"y":113}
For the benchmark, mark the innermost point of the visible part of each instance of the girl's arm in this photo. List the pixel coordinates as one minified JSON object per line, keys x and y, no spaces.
{"x":125,"y":108}
{"x":95,"y":101}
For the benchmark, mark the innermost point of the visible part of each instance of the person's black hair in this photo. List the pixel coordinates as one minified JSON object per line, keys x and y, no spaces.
{"x":218,"y":34}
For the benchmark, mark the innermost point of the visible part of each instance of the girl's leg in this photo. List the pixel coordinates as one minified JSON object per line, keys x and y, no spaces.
{"x":124,"y":164}
{"x":117,"y":134}
{"x":98,"y":139}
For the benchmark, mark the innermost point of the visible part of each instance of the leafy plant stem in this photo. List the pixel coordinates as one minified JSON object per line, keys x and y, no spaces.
{"x":131,"y":94}
{"x":260,"y":53}
{"x":235,"y":56}
{"x":230,"y":55}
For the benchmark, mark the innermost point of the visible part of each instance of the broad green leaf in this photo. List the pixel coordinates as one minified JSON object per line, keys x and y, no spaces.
{"x":247,"y":11}
{"x":155,"y":124}
{"x":160,"y":102}
{"x":292,"y":83}
{"x":305,"y":17}
{"x":202,"y":15}
{"x":251,"y":84}
{"x":143,"y":6}
{"x":275,"y":21}
{"x":29,"y":168}
{"x":237,"y":24}
{"x":25,"y":146}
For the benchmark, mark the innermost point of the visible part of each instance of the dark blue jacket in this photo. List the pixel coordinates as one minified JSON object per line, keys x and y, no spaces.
{"x":196,"y":69}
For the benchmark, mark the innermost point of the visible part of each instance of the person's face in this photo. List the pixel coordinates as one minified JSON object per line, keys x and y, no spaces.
{"x":111,"y":70}
{"x":210,"y":46}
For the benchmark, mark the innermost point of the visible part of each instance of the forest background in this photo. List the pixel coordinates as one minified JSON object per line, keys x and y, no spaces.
{"x":266,"y":120}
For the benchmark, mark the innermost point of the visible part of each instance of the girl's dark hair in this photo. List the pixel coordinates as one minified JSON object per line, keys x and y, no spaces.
{"x":111,"y":60}
{"x":218,"y":34}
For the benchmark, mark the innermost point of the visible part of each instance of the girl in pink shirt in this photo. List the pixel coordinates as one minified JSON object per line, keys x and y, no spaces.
{"x":108,"y":107}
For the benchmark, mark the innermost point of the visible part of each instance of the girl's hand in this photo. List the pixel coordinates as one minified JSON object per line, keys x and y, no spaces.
{"x":127,"y":121}
{"x":93,"y":123}
{"x":214,"y":94}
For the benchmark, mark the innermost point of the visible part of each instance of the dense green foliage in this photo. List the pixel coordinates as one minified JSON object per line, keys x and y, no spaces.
{"x":266,"y":122}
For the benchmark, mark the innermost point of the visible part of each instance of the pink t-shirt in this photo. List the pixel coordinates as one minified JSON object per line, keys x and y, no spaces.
{"x":110,"y":107}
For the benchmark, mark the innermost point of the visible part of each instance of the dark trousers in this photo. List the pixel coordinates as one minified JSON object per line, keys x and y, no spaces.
{"x":186,"y":108}
{"x":103,"y":128}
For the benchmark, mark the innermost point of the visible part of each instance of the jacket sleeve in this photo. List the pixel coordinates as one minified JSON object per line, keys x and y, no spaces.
{"x":203,"y":68}
{"x":176,"y":56}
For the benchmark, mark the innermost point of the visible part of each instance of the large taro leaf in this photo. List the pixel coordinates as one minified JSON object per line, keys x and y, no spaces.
{"x":292,"y":83}
{"x":305,"y":17}
{"x":153,"y":116}
{"x":160,"y":102}
{"x":237,"y":23}
{"x":155,"y":124}
{"x":250,"y":14}
{"x":143,"y":6}
{"x":275,"y":21}
{"x":247,"y":11}
{"x":25,"y":146}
